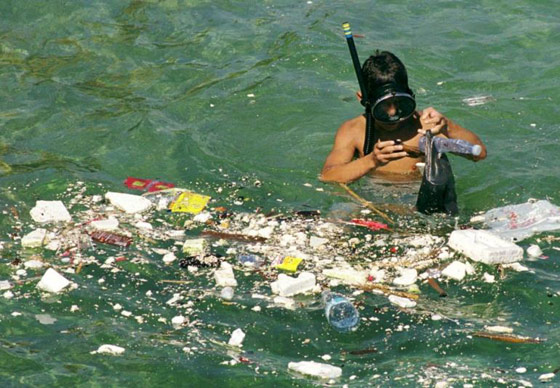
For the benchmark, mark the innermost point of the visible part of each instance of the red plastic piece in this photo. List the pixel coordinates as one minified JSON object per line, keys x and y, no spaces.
{"x":146,"y":184}
{"x":373,"y":225}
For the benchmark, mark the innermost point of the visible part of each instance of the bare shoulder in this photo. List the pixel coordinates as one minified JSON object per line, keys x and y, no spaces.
{"x":352,"y":129}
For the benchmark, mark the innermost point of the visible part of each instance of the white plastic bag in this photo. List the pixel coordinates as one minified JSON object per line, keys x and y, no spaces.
{"x":517,"y":222}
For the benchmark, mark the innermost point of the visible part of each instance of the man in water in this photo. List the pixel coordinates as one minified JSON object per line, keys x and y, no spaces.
{"x":395,"y":123}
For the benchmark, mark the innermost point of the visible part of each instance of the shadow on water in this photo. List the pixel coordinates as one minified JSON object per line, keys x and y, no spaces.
{"x":42,"y":160}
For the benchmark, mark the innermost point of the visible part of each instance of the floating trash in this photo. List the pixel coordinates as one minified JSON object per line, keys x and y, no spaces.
{"x":478,"y":100}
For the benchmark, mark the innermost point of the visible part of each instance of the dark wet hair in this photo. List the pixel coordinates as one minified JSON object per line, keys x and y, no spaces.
{"x":381,"y":68}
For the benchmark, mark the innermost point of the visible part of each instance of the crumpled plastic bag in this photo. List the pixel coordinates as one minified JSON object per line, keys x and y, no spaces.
{"x":518,"y":222}
{"x":437,"y":191}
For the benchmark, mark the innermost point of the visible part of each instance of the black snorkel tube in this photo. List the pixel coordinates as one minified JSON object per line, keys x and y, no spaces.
{"x":368,"y":143}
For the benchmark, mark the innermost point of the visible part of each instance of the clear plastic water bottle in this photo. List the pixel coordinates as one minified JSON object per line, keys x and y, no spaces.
{"x":340,"y":313}
{"x":458,"y":146}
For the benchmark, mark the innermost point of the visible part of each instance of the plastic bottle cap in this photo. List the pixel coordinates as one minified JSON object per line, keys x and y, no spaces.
{"x":476,"y":150}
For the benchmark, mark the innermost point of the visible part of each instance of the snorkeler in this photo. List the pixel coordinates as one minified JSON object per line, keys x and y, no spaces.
{"x":374,"y":142}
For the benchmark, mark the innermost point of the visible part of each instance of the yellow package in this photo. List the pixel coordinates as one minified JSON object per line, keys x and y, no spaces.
{"x":289,"y":263}
{"x":188,"y":202}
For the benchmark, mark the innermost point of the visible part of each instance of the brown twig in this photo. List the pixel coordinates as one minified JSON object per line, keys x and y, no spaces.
{"x":233,"y":236}
{"x":175,"y":281}
{"x":366,"y":203}
{"x":434,"y":284}
{"x":507,"y":338}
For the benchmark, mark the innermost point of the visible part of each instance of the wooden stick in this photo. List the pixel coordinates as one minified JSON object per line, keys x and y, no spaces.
{"x":434,"y":284}
{"x":233,"y":236}
{"x":80,"y":267}
{"x":507,"y":338}
{"x":176,"y":281}
{"x":365,"y":202}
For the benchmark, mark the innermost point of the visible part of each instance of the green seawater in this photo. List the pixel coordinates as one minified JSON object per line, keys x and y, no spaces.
{"x":216,"y":95}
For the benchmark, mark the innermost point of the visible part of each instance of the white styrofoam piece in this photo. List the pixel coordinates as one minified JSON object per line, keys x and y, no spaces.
{"x":285,"y":302}
{"x":317,"y":242}
{"x":194,"y":246}
{"x":455,"y":270}
{"x":50,"y":211}
{"x":348,"y":275}
{"x":178,"y":321}
{"x":35,"y":239}
{"x":33,"y":264}
{"x":169,"y":258}
{"x":108,"y":224}
{"x":110,"y":349}
{"x":287,"y":286}
{"x":317,"y":369}
{"x":485,"y":246}
{"x":237,"y":338}
{"x":52,"y":281}
{"x":227,"y":293}
{"x":224,"y":276}
{"x":407,"y":277}
{"x":402,"y":302}
{"x":5,"y":285}
{"x":534,"y":251}
{"x":128,"y":203}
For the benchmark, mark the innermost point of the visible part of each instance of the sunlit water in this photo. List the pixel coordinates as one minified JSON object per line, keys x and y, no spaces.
{"x":215,"y":96}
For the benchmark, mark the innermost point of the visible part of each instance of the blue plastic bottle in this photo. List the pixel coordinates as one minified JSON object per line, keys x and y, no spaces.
{"x":458,"y":146}
{"x":340,"y":313}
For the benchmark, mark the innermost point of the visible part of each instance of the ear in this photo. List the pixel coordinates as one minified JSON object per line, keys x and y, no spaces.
{"x":359,"y":96}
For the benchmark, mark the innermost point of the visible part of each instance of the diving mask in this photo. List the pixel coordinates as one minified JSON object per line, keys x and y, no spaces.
{"x":392,"y":103}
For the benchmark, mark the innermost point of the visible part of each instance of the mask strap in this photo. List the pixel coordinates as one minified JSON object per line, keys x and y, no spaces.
{"x":369,"y":140}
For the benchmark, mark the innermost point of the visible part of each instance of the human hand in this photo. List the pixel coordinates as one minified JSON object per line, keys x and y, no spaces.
{"x":432,"y":120}
{"x":386,"y":151}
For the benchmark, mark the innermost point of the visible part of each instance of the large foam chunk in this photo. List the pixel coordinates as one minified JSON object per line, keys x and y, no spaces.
{"x":484,"y":246}
{"x":50,"y":211}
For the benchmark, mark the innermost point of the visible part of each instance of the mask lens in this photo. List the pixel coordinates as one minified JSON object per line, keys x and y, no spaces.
{"x":394,"y":108}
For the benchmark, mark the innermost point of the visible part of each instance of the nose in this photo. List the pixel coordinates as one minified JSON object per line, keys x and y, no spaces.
{"x":392,"y":109}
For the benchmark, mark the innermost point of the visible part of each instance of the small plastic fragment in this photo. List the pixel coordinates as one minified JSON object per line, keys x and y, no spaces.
{"x":534,"y":251}
{"x":146,"y":184}
{"x":547,"y":376}
{"x":237,"y":338}
{"x":195,"y":246}
{"x":224,"y":276}
{"x":402,"y":302}
{"x":110,"y":238}
{"x":108,"y":224}
{"x":128,"y":203}
{"x":456,"y":270}
{"x":35,"y":239}
{"x":316,"y":369}
{"x":373,"y":225}
{"x":250,"y":260}
{"x":52,"y":281}
{"x":227,"y":293}
{"x":188,"y":202}
{"x":289,"y":263}
{"x":407,"y":277}
{"x":288,"y":286}
{"x":110,"y":349}
{"x":478,"y":100}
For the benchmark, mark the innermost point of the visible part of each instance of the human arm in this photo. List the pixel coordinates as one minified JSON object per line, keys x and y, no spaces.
{"x":340,"y":166}
{"x":439,"y":124}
